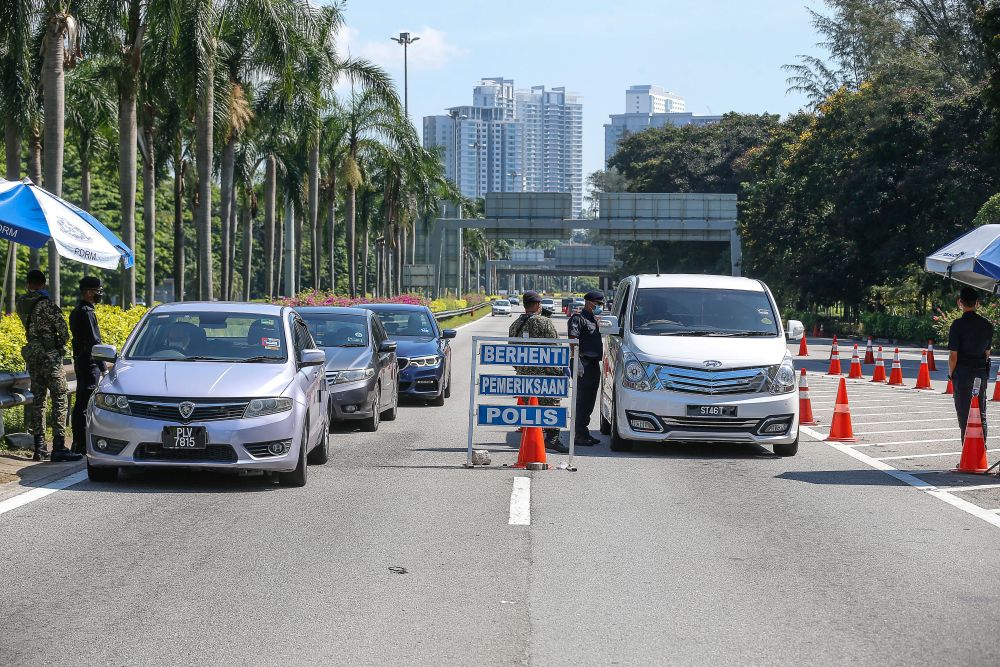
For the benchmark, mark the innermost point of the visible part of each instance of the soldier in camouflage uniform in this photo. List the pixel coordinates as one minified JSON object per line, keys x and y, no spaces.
{"x":535,"y":324}
{"x":47,"y":334}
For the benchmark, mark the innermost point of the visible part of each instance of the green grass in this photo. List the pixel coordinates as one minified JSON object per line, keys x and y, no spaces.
{"x":459,"y":320}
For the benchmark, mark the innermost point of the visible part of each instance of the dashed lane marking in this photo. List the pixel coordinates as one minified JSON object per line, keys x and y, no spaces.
{"x":989,"y":516}
{"x":42,"y":491}
{"x":520,"y":502}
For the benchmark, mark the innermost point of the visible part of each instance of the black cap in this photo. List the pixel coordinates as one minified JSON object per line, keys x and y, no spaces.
{"x":35,"y":277}
{"x":90,"y":282}
{"x":594,"y":295}
{"x":531,"y":296}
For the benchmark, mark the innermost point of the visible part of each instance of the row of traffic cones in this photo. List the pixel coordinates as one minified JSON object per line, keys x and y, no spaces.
{"x":895,"y":378}
{"x":973,"y":459}
{"x":869,"y":352}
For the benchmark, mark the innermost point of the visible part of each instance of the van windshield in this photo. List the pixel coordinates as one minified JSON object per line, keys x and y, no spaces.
{"x":672,"y":311}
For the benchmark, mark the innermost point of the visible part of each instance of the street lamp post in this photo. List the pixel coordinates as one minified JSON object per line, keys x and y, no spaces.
{"x":405,"y":39}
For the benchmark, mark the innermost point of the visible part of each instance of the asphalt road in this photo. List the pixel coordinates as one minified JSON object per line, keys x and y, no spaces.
{"x":395,"y":554}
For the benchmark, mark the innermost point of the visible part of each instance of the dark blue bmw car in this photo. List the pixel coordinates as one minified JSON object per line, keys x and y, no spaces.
{"x":422,"y":350}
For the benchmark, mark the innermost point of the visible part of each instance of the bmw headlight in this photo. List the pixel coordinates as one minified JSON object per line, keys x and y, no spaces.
{"x":344,"y":377}
{"x":259,"y":407}
{"x":782,"y":377}
{"x":633,"y":372}
{"x":112,"y":403}
{"x":426,"y":362}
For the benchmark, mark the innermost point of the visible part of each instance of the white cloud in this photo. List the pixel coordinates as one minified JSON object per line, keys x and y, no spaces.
{"x":433,"y":51}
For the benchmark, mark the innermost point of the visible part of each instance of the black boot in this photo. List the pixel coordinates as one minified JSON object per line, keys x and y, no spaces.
{"x":60,"y":453}
{"x":41,"y":450}
{"x":553,"y":442}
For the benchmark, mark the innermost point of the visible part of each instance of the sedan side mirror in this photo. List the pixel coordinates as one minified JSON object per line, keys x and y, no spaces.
{"x":609,"y":325}
{"x":104,"y":353}
{"x":449,"y":333}
{"x":387,"y":346}
{"x":312,"y":357}
{"x":796,"y":330}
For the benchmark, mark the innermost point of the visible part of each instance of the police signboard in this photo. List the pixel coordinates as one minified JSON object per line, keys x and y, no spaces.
{"x":502,"y":354}
{"x":522,"y":415}
{"x":524,"y":385}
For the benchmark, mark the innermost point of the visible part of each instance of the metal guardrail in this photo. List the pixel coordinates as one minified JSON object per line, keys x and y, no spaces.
{"x":445,"y":314}
{"x":15,"y":390}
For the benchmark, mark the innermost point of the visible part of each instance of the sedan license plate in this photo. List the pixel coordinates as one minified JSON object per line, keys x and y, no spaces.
{"x":184,"y":437}
{"x":711,"y":411}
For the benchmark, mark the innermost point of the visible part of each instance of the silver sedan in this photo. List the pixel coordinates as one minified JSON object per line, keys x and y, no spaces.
{"x":218,"y":386}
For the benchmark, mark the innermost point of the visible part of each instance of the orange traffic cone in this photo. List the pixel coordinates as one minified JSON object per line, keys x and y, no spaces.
{"x":930,"y":356}
{"x":834,"y":359}
{"x":855,"y":373}
{"x":896,"y":373}
{"x":869,"y":356}
{"x":996,"y":390}
{"x":833,"y":346}
{"x":815,"y":329}
{"x":841,"y":429}
{"x":924,"y":376}
{"x":974,"y":446}
{"x":532,"y":443}
{"x":803,"y":348}
{"x":951,"y":388}
{"x":805,"y":404}
{"x":878,"y":375}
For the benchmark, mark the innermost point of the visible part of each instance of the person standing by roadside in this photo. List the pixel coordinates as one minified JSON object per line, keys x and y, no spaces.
{"x":533,"y":324}
{"x":583,"y":327}
{"x":86,"y":334}
{"x":969,"y":345}
{"x":47,"y":335}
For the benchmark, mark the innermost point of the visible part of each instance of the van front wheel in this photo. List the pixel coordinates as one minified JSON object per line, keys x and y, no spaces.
{"x":790,"y":449}
{"x":618,"y":443}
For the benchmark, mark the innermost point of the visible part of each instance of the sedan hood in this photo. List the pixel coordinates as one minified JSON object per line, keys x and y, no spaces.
{"x":347,"y":358}
{"x":197,"y":379}
{"x":416,"y":346}
{"x":694,"y":351}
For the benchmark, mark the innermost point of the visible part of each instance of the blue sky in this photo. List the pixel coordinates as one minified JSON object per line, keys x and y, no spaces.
{"x":720,"y":55}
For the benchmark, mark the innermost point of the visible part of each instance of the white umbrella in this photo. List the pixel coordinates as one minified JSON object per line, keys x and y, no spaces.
{"x":973,"y":259}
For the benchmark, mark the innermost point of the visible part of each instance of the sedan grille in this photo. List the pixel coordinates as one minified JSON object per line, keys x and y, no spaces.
{"x":204,"y":409}
{"x":154,"y":451}
{"x":698,"y":381}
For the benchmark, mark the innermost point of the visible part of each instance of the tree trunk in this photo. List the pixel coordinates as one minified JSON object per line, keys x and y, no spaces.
{"x":270,"y":184}
{"x":352,"y":253}
{"x":233,"y":231}
{"x":246,"y":225}
{"x":226,"y":204}
{"x":54,"y":106}
{"x":314,"y":208}
{"x":281,"y":254}
{"x":127,"y":147}
{"x":204,"y":137}
{"x":332,"y":232}
{"x":400,"y":249}
{"x":149,"y":211}
{"x":35,"y":174}
{"x":178,"y":222}
{"x":12,"y":148}
{"x":364,"y":283}
{"x":291,"y":266}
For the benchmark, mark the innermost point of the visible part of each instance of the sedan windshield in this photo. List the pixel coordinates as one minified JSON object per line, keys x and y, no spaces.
{"x":406,"y":323}
{"x":336,"y":329}
{"x":210,"y":336}
{"x":671,"y":311}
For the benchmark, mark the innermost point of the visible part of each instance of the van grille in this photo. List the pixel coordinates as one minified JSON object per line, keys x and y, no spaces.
{"x":699,"y":381}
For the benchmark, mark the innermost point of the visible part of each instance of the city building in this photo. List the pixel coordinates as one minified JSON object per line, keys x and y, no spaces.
{"x":512,"y":140}
{"x":648,"y":107}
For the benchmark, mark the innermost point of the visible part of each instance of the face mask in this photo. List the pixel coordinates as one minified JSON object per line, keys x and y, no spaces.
{"x":98,"y":296}
{"x":598,"y":310}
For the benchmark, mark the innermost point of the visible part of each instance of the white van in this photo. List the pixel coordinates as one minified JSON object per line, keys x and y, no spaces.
{"x":698,"y":358}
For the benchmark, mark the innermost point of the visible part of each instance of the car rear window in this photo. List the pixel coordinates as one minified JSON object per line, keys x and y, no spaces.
{"x":406,"y":323}
{"x":673,"y":311}
{"x":210,"y":336}
{"x":336,"y":329}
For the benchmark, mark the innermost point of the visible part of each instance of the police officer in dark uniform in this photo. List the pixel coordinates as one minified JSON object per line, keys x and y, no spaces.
{"x":583,"y":327}
{"x":86,"y":334}
{"x":969,"y":343}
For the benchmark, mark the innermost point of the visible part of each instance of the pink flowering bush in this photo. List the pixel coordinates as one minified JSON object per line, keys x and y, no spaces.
{"x":320,"y":298}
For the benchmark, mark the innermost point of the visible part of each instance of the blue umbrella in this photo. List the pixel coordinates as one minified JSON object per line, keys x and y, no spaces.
{"x":31,"y":216}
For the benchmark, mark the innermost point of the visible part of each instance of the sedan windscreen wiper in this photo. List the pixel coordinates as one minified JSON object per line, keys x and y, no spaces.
{"x":258,"y":358}
{"x":352,"y":345}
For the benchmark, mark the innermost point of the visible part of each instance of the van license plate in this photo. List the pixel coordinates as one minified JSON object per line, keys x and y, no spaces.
{"x":711,"y":411}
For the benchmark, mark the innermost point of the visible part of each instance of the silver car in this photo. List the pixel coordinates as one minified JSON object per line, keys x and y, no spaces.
{"x":221,"y":386}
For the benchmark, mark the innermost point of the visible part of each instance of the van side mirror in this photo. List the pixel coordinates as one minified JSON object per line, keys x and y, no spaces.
{"x":796,"y":330}
{"x":104,"y":353}
{"x":609,"y":325}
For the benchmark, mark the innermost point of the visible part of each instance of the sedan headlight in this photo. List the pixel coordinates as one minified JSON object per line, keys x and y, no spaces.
{"x":428,"y":361}
{"x":633,"y":372}
{"x":354,"y":376}
{"x":781,"y":377}
{"x":113,"y":403}
{"x":259,"y":407}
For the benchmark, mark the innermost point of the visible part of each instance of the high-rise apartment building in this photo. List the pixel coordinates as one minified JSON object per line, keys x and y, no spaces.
{"x":645,"y":107}
{"x":512,"y":141}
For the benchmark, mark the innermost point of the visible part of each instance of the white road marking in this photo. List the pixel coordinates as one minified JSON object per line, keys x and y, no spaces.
{"x":520,"y":502}
{"x":916,"y":442}
{"x":925,"y":456}
{"x":989,"y":516}
{"x":42,"y":491}
{"x":911,"y":421}
{"x":955,"y":429}
{"x":981,"y":487}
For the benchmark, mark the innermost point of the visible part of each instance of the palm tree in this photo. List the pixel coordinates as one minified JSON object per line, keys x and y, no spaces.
{"x":333,"y":147}
{"x":90,"y":112}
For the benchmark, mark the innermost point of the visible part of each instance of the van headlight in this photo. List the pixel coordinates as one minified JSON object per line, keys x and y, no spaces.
{"x":113,"y":403}
{"x":633,"y":372}
{"x":259,"y":407}
{"x":782,"y":377}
